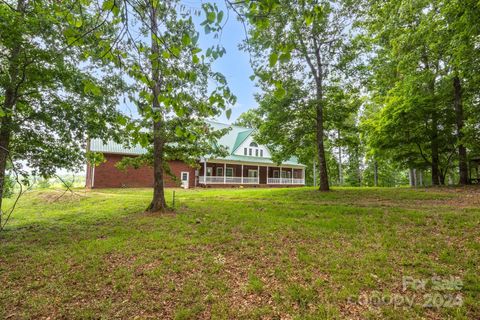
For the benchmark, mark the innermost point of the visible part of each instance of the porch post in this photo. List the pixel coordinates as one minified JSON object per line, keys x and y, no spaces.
{"x":292,"y":175}
{"x":280,"y":174}
{"x":258,"y":175}
{"x":242,"y":173}
{"x":224,"y":173}
{"x":303,"y":175}
{"x":205,"y":171}
{"x":267,"y":174}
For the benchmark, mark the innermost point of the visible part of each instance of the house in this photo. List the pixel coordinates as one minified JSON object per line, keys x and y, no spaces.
{"x":247,"y":164}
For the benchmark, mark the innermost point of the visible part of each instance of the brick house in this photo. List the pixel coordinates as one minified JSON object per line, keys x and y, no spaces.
{"x":247,"y":164}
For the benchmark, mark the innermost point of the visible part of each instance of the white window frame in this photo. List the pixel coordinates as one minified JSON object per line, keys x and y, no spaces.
{"x":276,"y":174}
{"x":252,"y":176}
{"x":245,"y":151}
{"x":217,"y":170}
{"x":231,"y":170}
{"x":209,"y":170}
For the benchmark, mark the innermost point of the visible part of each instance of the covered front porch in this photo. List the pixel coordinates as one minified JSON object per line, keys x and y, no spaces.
{"x":227,"y":173}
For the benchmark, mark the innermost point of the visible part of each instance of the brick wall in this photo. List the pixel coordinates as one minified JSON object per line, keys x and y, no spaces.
{"x":107,"y":175}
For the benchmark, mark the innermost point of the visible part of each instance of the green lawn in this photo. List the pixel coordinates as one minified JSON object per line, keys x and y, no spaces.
{"x":240,"y":253}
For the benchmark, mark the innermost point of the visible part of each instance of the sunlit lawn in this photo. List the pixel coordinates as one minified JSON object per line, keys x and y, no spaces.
{"x":241,"y":253}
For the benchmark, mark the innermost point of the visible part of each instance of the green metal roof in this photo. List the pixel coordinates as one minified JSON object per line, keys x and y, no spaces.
{"x":231,"y":140}
{"x":97,"y":145}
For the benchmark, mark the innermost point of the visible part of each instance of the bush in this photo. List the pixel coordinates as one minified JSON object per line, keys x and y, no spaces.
{"x":8,"y":186}
{"x":44,"y":184}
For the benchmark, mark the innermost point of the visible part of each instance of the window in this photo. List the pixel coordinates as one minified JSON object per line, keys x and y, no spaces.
{"x":245,"y":151}
{"x":250,"y":151}
{"x":253,"y":144}
{"x":252,"y":173}
{"x":261,"y":152}
{"x":286,"y":174}
{"x":229,"y":172}
{"x":276,"y":174}
{"x":219,"y":171}
{"x":256,"y":152}
{"x":209,"y":171}
{"x":184,"y":176}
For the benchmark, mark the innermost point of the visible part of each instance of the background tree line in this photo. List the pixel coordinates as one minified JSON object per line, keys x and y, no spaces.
{"x":374,"y":92}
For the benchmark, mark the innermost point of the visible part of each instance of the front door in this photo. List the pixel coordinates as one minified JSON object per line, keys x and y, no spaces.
{"x":185,"y":175}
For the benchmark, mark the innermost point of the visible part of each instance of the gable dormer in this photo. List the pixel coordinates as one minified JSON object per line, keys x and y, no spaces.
{"x":250,"y":148}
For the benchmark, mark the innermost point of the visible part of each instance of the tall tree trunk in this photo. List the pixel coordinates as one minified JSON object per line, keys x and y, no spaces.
{"x":158,"y":202}
{"x":375,"y":173}
{"x":320,"y":145}
{"x":462,"y":151}
{"x":410,"y":177}
{"x":436,"y":179}
{"x":11,"y":92}
{"x":340,"y":167}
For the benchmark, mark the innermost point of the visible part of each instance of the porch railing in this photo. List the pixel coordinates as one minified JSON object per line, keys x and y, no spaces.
{"x":228,"y":180}
{"x":285,"y":181}
{"x":247,"y":180}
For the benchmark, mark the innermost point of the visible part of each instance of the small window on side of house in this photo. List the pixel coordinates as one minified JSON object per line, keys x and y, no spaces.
{"x":256,"y":152}
{"x":261,"y":153}
{"x":244,"y":151}
{"x":250,"y":151}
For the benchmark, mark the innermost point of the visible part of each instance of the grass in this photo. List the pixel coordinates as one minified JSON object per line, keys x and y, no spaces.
{"x":243,"y":253}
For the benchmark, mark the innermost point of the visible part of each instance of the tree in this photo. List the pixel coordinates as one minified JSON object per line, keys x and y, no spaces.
{"x":423,"y":75}
{"x":462,"y":20}
{"x":305,"y":44}
{"x":171,"y":77}
{"x":249,"y":119}
{"x":49,"y":97}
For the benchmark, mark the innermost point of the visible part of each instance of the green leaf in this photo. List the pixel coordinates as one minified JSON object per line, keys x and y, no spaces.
{"x":228,"y":113}
{"x":273,"y":59}
{"x":165,"y":54}
{"x":280,"y":93}
{"x":178,"y":132}
{"x":195,"y":59}
{"x":211,"y":17}
{"x":285,"y":57}
{"x":220,"y":17}
{"x":175,"y":51}
{"x":309,"y":20}
{"x":186,"y":40}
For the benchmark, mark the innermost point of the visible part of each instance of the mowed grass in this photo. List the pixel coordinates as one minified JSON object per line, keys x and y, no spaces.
{"x":240,"y":254}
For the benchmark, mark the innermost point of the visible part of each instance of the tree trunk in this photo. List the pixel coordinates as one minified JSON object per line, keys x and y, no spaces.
{"x":5,"y":134}
{"x":410,"y":176}
{"x":462,"y":151}
{"x":322,"y":162}
{"x":340,"y":167}
{"x":375,"y":173}
{"x":436,"y":179}
{"x":158,"y":202}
